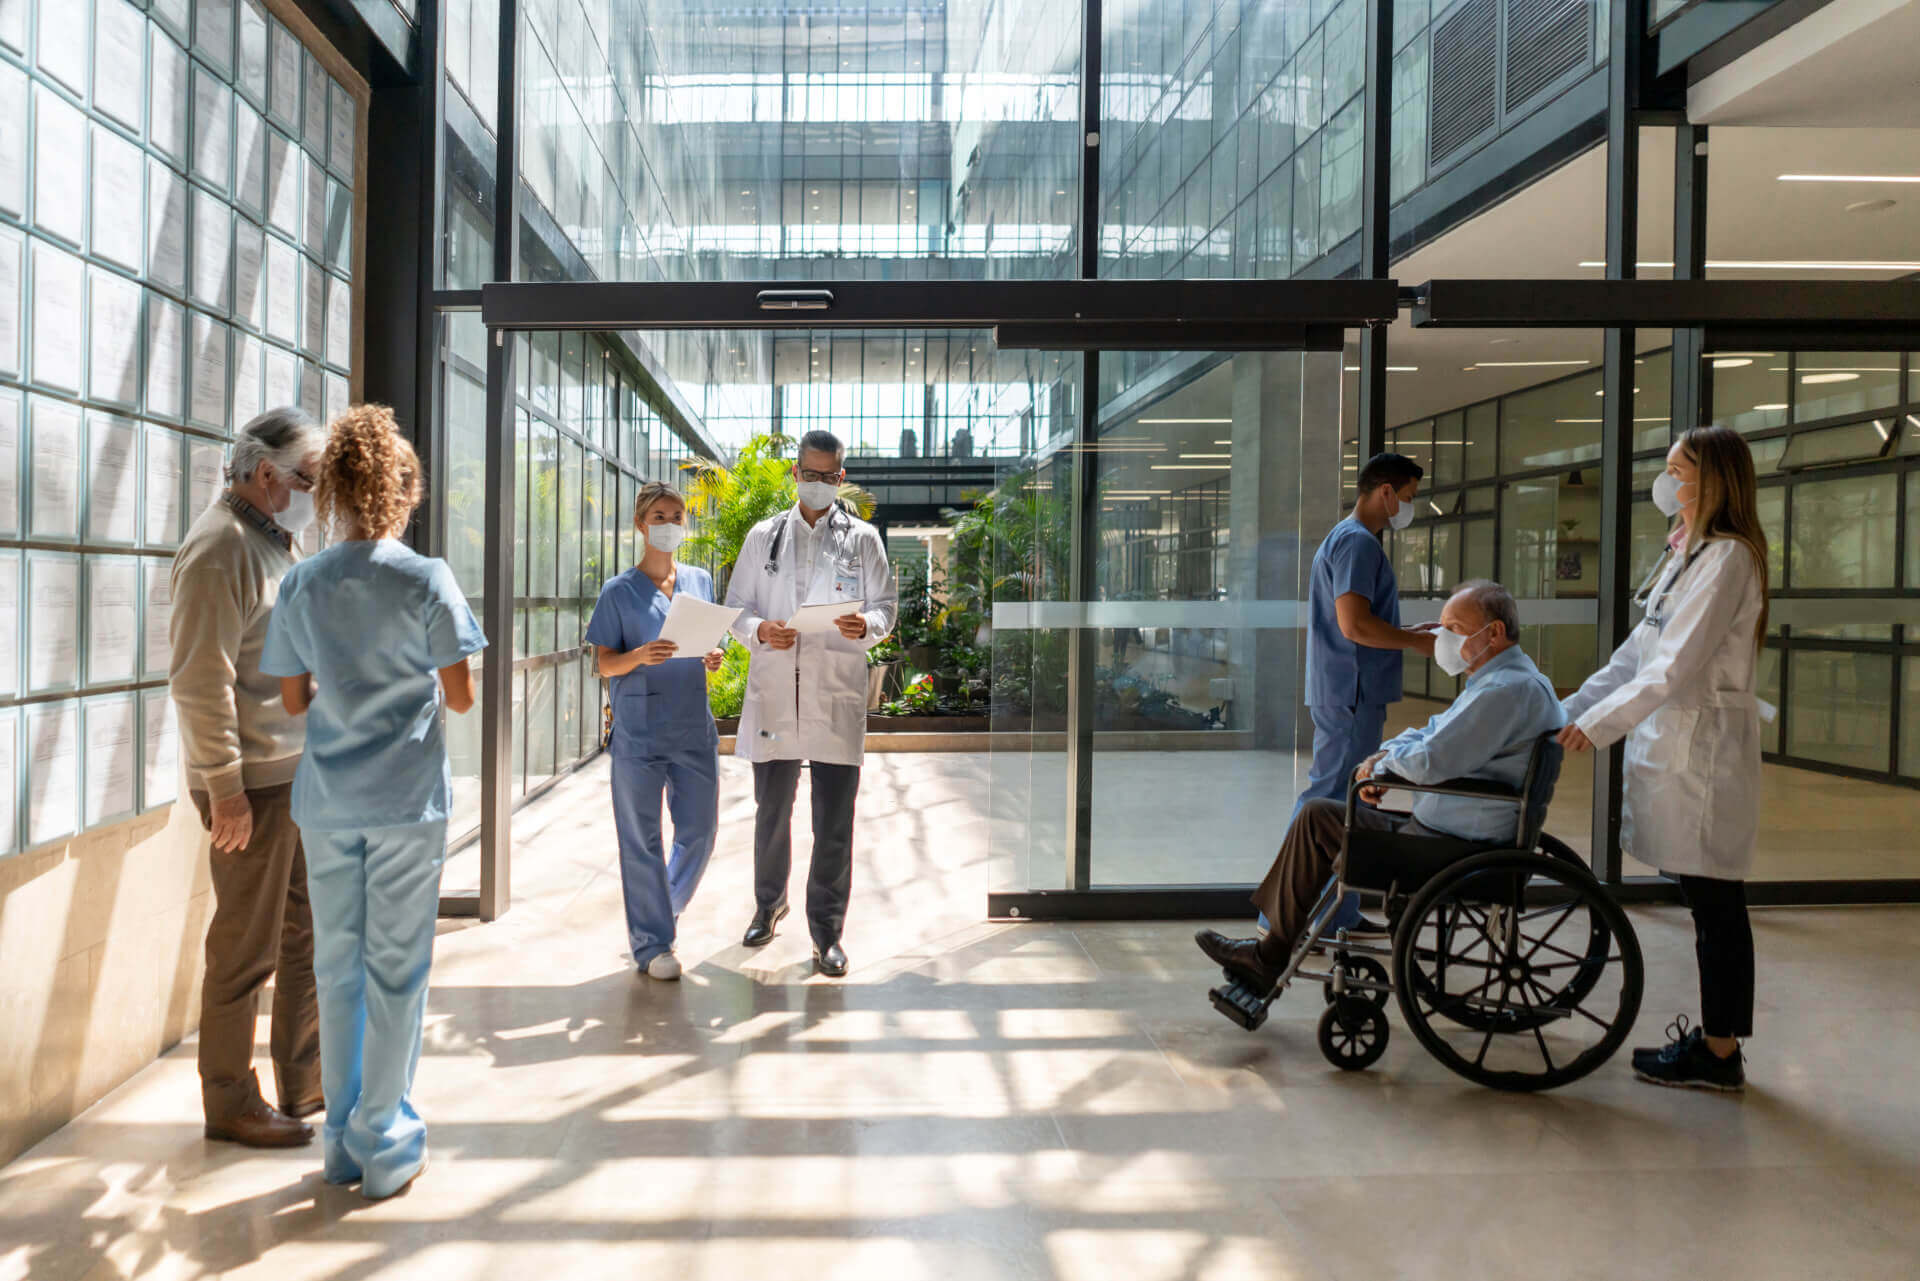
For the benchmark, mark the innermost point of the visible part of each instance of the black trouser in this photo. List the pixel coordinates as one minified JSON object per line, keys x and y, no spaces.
{"x":1723,"y":943}
{"x":830,"y":873}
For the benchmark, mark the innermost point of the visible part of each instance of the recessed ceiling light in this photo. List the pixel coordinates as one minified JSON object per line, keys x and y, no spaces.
{"x":1184,"y":421}
{"x":1871,"y":206}
{"x":1829,"y":378}
{"x":1768,"y":409}
{"x":1782,"y":264}
{"x":1392,"y":369}
{"x":1529,"y":364}
{"x":1732,"y":362}
{"x":1187,"y":467}
{"x":1850,"y":177}
{"x":1501,"y":342}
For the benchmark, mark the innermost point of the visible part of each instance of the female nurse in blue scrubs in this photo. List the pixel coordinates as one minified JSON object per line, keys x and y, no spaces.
{"x":370,"y":641}
{"x":664,"y":739}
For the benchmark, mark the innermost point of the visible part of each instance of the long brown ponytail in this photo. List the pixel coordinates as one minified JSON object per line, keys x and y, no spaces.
{"x":1728,"y":503}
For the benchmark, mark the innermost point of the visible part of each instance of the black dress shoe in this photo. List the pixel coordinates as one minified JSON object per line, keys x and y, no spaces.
{"x":831,"y":960}
{"x":760,"y":932}
{"x":1240,"y":958}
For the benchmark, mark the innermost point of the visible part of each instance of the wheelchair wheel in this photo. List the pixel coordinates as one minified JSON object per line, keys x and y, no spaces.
{"x":1599,"y":941}
{"x":1503,"y":990}
{"x":1366,"y":969}
{"x":1353,"y":1033}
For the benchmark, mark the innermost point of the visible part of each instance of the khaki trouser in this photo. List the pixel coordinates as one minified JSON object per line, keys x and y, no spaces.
{"x":1305,"y":861}
{"x":261,"y":927}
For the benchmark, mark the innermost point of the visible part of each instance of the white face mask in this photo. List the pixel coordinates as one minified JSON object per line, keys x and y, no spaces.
{"x":299,"y":512}
{"x":666,"y":538}
{"x":1404,"y":517}
{"x":1666,"y":493}
{"x":818,"y":495}
{"x":1450,"y":651}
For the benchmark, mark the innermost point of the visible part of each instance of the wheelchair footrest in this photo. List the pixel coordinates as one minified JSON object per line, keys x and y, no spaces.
{"x":1240,"y":1003}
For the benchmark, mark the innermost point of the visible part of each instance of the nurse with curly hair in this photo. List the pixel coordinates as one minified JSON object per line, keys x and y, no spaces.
{"x":370,"y":641}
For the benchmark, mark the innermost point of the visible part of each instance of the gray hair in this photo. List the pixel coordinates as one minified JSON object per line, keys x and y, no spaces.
{"x":820,"y":441}
{"x":281,"y":436}
{"x":1494,"y":602}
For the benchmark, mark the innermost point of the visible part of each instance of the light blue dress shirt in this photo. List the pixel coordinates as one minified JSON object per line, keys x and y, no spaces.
{"x":372,"y":622}
{"x":1486,"y":733}
{"x":1340,"y":672}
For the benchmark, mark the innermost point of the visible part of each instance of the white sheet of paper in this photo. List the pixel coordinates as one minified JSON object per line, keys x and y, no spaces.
{"x":119,"y":178}
{"x":212,"y":249}
{"x":283,"y":184}
{"x":252,"y":72}
{"x":313,"y":283}
{"x":283,"y":291}
{"x":248,"y":389}
{"x":13,"y":248}
{"x":113,"y":479}
{"x":157,"y":645}
{"x":814,"y":619}
{"x":249,"y":160}
{"x":339,"y":228}
{"x":119,"y":62}
{"x":53,"y":621}
{"x":335,"y":397}
{"x":339,"y":322}
{"x":59,"y":317}
{"x":110,"y":759}
{"x":55,"y":451}
{"x":313,"y":130}
{"x":284,"y":96}
{"x":13,"y":24}
{"x":9,"y":770}
{"x":209,"y":400}
{"x":205,"y":479}
{"x":13,"y":140}
{"x":113,"y":618}
{"x":9,"y":626}
{"x":283,"y":377}
{"x":63,"y":44}
{"x":341,"y":131}
{"x":161,"y":759}
{"x":167,"y":97}
{"x":696,"y":626}
{"x":60,"y":167}
{"x":166,"y":340}
{"x":163,"y":471}
{"x":311,"y":390}
{"x":213,"y":32}
{"x":166,"y":228}
{"x":249,"y":273}
{"x":212,"y":130}
{"x":315,"y":237}
{"x":113,"y":338}
{"x":9,"y":462}
{"x":53,"y":770}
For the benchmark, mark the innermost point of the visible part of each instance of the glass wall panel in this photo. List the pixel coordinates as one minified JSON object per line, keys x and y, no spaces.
{"x":1830,"y":383}
{"x":1910,"y":717}
{"x":1843,"y":532}
{"x":1841,"y":708}
{"x":1552,"y":425}
{"x":1749,"y":389}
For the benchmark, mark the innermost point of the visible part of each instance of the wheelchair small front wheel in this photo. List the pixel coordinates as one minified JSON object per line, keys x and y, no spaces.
{"x":1353,"y":1033}
{"x":1365,"y":969}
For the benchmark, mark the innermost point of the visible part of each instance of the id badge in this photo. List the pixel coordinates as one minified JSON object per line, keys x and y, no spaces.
{"x":846,"y":582}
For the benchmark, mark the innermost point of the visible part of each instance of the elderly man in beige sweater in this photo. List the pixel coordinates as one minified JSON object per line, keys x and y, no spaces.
{"x":241,"y":748}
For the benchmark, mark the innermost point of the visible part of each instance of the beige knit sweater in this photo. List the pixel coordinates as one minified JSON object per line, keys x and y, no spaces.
{"x":235,"y":733}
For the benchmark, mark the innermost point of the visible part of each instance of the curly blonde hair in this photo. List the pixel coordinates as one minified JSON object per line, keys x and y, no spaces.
{"x":370,"y":479}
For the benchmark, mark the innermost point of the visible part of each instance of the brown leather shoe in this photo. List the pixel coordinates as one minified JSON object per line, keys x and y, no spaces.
{"x":312,"y":1105}
{"x":262,"y":1126}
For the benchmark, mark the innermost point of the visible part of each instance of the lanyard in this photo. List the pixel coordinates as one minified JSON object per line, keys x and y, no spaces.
{"x":773,"y":553}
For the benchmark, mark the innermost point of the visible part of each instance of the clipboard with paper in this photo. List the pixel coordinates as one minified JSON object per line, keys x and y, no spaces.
{"x":817,"y":619}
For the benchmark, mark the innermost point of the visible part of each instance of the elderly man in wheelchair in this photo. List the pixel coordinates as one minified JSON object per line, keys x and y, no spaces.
{"x":1499,"y":932}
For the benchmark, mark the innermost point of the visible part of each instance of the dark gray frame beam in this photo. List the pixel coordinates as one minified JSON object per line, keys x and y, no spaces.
{"x":1083,"y":654}
{"x":496,"y":704}
{"x":935,"y":304}
{"x":1754,"y":305}
{"x":1692,"y":401}
{"x":1376,"y":212}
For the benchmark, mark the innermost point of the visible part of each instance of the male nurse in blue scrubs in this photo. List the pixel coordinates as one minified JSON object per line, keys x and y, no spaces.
{"x":1354,"y":637}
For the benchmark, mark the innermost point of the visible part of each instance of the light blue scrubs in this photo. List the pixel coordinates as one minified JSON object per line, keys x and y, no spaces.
{"x":663,"y":739}
{"x":1348,"y":685}
{"x":372,"y":622}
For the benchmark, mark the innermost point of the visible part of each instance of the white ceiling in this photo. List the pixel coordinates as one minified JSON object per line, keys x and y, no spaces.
{"x":1849,"y":64}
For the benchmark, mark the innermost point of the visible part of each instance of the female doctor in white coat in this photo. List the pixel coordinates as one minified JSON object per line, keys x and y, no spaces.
{"x":1680,"y":691}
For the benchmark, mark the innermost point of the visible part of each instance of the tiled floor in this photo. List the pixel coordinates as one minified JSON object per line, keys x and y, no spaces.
{"x":1004,"y":1101}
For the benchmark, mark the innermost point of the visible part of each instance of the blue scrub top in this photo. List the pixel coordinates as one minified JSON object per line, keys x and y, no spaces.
{"x":664,"y":707}
{"x":1339,"y":672}
{"x":372,"y":622}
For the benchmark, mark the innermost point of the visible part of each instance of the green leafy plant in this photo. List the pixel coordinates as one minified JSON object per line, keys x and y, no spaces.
{"x":728,"y":500}
{"x":917,"y":699}
{"x":727,"y":688}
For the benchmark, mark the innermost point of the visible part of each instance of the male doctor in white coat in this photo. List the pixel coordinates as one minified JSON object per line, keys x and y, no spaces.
{"x":807,"y":695}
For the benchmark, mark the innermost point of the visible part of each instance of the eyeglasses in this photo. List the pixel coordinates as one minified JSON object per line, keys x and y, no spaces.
{"x":821,"y":477}
{"x":302,"y":480}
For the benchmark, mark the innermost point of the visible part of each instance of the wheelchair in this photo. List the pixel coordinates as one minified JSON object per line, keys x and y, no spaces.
{"x":1513,"y":966}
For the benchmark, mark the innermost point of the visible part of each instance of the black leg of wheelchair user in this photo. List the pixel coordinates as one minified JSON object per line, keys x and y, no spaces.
{"x":1513,"y":966}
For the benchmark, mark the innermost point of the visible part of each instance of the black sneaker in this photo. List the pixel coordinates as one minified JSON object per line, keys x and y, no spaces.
{"x":1686,"y":1061}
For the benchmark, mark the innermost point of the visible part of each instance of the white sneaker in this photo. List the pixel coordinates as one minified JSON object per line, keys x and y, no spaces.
{"x":664,"y":966}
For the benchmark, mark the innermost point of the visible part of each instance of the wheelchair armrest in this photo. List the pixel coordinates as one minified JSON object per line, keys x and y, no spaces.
{"x":1477,"y":788}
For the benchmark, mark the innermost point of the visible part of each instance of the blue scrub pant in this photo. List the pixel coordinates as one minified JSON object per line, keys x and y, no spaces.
{"x":1342,"y":738}
{"x":659,"y":886}
{"x":376,"y":896}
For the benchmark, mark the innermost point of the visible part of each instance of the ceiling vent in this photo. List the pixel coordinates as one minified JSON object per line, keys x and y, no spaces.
{"x":1465,"y":97}
{"x":1547,"y":40}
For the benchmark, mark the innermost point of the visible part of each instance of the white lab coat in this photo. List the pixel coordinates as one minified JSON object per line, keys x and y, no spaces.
{"x":809,"y":702}
{"x":1680,"y":691}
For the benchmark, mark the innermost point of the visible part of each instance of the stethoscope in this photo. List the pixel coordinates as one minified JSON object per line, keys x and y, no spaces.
{"x":1651,"y":603}
{"x":773,"y":553}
